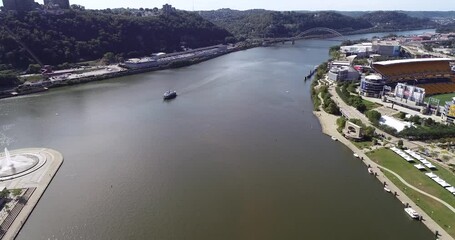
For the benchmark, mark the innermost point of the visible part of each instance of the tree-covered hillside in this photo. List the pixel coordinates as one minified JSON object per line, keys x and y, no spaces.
{"x":262,"y":23}
{"x":80,"y":35}
{"x":393,"y":20}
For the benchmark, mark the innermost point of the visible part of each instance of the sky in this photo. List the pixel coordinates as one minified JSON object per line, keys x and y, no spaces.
{"x":345,"y":5}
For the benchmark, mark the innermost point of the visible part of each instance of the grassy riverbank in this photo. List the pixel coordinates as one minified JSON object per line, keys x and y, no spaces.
{"x":438,"y":212}
{"x":388,"y":159}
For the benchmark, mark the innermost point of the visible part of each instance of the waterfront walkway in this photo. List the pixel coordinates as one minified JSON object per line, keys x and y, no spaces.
{"x":329,"y":127}
{"x":38,"y":180}
{"x":418,"y":190}
{"x":6,"y":224}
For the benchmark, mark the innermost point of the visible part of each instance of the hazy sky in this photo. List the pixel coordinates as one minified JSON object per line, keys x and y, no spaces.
{"x":345,"y":5}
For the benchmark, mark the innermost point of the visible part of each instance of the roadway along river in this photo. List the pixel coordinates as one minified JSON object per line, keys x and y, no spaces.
{"x":238,"y":155}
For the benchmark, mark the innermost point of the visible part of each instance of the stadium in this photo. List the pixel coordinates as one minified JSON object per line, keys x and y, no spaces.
{"x":432,"y":74}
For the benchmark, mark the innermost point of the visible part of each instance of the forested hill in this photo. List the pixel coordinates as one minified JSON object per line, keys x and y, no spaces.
{"x":263,"y":23}
{"x":393,"y":20}
{"x":80,"y":35}
{"x":416,"y":14}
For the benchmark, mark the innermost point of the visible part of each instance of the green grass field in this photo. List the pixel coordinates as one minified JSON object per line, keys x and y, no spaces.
{"x":413,"y":176}
{"x":363,"y":144}
{"x":370,"y":105}
{"x":443,"y":216}
{"x":438,"y":212}
{"x":443,"y":98}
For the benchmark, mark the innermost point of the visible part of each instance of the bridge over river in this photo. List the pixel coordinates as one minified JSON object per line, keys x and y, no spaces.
{"x":305,"y":34}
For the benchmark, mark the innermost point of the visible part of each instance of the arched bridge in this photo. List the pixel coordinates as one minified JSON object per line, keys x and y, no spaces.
{"x":304,"y":34}
{"x":319,"y":29}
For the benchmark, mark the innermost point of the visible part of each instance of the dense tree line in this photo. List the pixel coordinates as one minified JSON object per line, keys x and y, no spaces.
{"x":394,"y":20}
{"x":446,"y":28}
{"x":263,"y":23}
{"x":427,"y":129}
{"x":352,"y":100}
{"x":80,"y":35}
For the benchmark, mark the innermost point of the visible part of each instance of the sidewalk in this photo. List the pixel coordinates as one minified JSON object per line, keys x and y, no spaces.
{"x":329,"y":127}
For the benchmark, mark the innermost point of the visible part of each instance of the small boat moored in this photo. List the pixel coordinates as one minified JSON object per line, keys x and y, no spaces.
{"x":169,"y":95}
{"x":356,"y":155}
{"x":387,"y":189}
{"x":334,"y":138}
{"x":370,"y":170}
{"x":412,"y":213}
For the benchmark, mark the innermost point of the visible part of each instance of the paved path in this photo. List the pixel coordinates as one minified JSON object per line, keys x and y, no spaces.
{"x":418,"y":190}
{"x":39,"y":179}
{"x":329,"y":127}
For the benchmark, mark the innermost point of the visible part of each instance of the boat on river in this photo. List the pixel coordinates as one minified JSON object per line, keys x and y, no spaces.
{"x":412,"y":213}
{"x":169,"y":95}
{"x":334,"y":138}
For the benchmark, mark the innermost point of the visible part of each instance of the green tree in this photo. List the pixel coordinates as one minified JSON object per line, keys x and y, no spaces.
{"x":374,"y":116}
{"x":4,"y":193}
{"x":369,"y":132}
{"x":341,"y":122}
{"x":108,"y":58}
{"x":400,"y":144}
{"x":415,"y":119}
{"x":34,"y":68}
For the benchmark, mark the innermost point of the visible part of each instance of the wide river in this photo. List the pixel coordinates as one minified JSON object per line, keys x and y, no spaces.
{"x":238,"y":155}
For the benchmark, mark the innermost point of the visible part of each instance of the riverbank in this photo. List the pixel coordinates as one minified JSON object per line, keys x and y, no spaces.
{"x":120,"y":71}
{"x":329,"y":127}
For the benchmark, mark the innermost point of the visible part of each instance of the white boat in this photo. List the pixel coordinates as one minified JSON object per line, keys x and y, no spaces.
{"x":169,"y":95}
{"x":356,"y":155}
{"x":370,"y":170}
{"x":334,"y":138}
{"x":387,"y":189}
{"x":412,"y":213}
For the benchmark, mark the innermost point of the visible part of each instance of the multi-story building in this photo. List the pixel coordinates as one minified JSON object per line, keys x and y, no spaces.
{"x":167,"y":8}
{"x":372,"y":85}
{"x":343,"y":73}
{"x":448,"y":112}
{"x":19,"y":5}
{"x":387,"y":48}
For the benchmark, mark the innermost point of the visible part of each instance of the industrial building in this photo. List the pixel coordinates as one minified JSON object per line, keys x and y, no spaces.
{"x":19,"y":5}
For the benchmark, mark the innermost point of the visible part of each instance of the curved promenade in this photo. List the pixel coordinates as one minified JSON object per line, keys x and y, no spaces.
{"x":39,"y":180}
{"x":329,"y":127}
{"x":418,"y":190}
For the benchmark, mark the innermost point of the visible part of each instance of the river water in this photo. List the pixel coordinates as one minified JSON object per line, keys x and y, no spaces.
{"x":238,"y":155}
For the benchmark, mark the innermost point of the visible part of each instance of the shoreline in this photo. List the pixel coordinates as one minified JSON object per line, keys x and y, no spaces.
{"x":329,"y":128}
{"x":185,"y":63}
{"x":126,"y":72}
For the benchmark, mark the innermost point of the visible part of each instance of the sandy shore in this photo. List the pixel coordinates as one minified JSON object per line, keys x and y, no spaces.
{"x":329,"y":127}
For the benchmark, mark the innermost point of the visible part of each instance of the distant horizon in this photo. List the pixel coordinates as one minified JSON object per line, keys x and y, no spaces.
{"x":208,"y":5}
